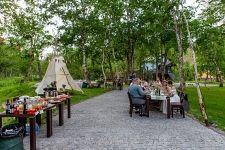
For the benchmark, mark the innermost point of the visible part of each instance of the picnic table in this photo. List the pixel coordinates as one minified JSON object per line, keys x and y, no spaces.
{"x":32,"y":122}
{"x":60,"y":103}
{"x":36,"y":117}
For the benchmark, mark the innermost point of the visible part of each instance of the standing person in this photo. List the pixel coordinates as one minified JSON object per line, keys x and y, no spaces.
{"x":137,"y":93}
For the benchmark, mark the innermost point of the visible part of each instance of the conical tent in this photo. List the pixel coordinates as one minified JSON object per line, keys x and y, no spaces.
{"x":57,"y":71}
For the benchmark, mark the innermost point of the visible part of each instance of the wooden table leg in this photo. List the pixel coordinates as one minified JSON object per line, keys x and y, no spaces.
{"x":23,"y":121}
{"x":168,"y":107}
{"x":61,"y":119}
{"x":32,"y":133}
{"x":68,"y":108}
{"x":0,"y":122}
{"x":147,"y":105}
{"x":49,"y":122}
{"x":38,"y":120}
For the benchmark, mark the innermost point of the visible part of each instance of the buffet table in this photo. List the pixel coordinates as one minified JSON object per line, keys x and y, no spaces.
{"x":60,"y":103}
{"x":32,"y":122}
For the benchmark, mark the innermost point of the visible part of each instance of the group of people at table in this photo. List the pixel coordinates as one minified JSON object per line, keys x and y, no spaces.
{"x":138,"y":90}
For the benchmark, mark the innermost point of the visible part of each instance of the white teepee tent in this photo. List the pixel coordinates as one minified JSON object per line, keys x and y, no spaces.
{"x":57,"y":71}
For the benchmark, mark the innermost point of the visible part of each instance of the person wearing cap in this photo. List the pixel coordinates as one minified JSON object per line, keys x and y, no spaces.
{"x":137,"y":93}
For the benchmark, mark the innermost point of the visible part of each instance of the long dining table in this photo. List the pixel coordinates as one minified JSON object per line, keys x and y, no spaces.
{"x":165,"y":103}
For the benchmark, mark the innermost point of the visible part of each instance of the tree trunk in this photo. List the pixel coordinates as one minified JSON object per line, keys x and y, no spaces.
{"x":130,"y":48}
{"x":219,"y":77}
{"x":221,"y":80}
{"x":130,"y":56}
{"x":110,"y":66}
{"x":30,"y":63}
{"x":83,"y":40}
{"x":84,"y":66}
{"x":102,"y":66}
{"x":200,"y":98}
{"x":157,"y":69}
{"x":29,"y":70}
{"x":180,"y":49}
{"x":39,"y":68}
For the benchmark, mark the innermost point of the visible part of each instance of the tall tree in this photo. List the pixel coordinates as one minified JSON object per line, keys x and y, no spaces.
{"x":200,"y":98}
{"x":177,"y":16}
{"x":25,"y":29}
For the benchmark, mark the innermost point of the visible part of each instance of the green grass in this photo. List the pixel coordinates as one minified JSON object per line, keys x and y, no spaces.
{"x":78,"y":97}
{"x":11,"y":87}
{"x":214,"y":98}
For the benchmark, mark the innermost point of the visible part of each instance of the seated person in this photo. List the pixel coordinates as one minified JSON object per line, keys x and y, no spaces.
{"x":172,"y":87}
{"x":145,"y":86}
{"x":169,"y":90}
{"x":165,"y":89}
{"x":173,"y":93}
{"x":158,"y":83}
{"x":137,"y":93}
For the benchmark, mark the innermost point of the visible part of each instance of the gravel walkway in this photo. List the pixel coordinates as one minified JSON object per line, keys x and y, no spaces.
{"x":103,"y":123}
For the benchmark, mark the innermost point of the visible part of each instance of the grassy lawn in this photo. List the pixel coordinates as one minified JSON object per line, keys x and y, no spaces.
{"x":214,"y":98}
{"x":12,"y":87}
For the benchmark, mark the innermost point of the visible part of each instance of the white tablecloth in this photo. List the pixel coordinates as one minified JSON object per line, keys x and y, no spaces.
{"x":162,"y":98}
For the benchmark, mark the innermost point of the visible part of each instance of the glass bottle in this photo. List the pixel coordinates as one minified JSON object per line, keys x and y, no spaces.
{"x":7,"y":110}
{"x":24,"y":106}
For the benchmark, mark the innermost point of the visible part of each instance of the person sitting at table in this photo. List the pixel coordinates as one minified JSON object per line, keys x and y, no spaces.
{"x":145,"y":86}
{"x":169,"y":90}
{"x":137,"y":93}
{"x":165,"y":89}
{"x":173,"y":93}
{"x":157,"y":83}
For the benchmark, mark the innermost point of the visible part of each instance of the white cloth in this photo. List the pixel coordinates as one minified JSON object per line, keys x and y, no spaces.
{"x":162,"y":98}
{"x":175,"y":98}
{"x":163,"y":107}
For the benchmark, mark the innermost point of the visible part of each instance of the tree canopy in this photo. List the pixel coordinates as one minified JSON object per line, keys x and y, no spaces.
{"x":104,"y":38}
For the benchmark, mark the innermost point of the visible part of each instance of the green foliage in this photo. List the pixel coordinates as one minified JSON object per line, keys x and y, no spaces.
{"x":128,"y":32}
{"x":214,"y":98}
{"x":12,"y":87}
{"x":188,"y":71}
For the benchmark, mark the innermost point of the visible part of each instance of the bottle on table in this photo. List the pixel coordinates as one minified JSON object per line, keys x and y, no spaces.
{"x":25,"y":106}
{"x":7,"y":109}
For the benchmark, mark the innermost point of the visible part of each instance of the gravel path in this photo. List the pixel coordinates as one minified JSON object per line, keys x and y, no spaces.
{"x":103,"y":123}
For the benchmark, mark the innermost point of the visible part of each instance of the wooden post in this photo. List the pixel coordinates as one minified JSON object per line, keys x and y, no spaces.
{"x":168,"y":107}
{"x":61,"y":119}
{"x":38,"y":120}
{"x":68,"y":108}
{"x":0,"y":122}
{"x":49,"y":122}
{"x":32,"y":133}
{"x":148,"y":98}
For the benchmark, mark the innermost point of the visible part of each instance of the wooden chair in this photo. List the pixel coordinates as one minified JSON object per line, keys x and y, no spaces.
{"x":179,"y":105}
{"x":135,"y":106}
